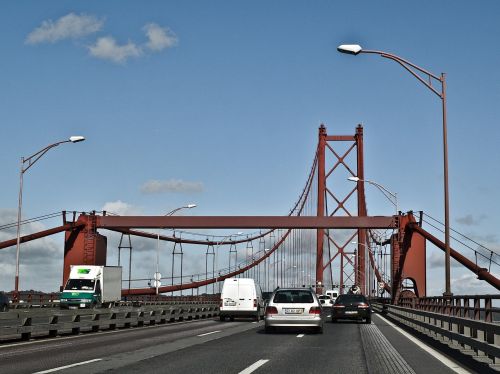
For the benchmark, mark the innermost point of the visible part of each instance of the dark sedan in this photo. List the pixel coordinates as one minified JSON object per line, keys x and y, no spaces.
{"x":352,"y":307}
{"x":4,"y":302}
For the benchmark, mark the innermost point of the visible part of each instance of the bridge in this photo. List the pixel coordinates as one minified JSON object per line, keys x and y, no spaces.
{"x":327,"y":240}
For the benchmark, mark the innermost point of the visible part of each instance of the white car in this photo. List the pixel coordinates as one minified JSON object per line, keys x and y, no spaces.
{"x":326,"y":301}
{"x":294,"y":307}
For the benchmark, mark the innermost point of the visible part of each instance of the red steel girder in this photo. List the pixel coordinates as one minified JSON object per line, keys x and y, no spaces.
{"x":245,"y":222}
{"x":42,"y":234}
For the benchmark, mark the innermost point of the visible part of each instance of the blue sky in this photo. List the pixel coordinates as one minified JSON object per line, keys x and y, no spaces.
{"x":222,"y":105}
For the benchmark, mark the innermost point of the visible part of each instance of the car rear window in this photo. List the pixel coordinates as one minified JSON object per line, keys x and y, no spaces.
{"x":350,"y":299}
{"x":293,"y":296}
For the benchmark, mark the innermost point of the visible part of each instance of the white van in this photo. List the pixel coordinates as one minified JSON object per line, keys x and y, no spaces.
{"x":241,"y":297}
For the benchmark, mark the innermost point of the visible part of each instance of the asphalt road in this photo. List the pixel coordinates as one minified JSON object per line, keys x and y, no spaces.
{"x":211,"y":346}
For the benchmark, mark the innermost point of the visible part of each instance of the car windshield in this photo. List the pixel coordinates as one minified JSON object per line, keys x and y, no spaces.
{"x":350,"y":299}
{"x":80,"y":284}
{"x":293,"y":296}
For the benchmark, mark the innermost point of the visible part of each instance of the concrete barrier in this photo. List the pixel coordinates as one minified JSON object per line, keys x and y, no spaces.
{"x":27,"y":323}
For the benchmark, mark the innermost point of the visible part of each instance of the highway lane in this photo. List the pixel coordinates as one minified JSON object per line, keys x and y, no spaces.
{"x":44,"y":354}
{"x":345,"y":347}
{"x":210,"y":346}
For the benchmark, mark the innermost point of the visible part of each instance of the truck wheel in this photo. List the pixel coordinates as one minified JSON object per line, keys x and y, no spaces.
{"x":231,"y":318}
{"x":222,"y":318}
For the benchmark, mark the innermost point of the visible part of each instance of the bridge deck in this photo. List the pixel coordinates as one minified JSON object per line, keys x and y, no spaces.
{"x":210,"y":346}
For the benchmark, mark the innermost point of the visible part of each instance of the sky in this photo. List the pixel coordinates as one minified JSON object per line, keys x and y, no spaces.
{"x":219,"y":103}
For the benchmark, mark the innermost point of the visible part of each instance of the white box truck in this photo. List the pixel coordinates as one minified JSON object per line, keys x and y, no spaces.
{"x":91,"y":286}
{"x":241,"y":297}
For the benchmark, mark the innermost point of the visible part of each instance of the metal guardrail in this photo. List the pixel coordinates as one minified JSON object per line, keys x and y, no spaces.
{"x":28,"y":323}
{"x":477,"y":307}
{"x":480,"y":339}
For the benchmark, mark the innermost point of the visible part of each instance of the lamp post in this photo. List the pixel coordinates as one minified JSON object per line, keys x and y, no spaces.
{"x":26,"y":163}
{"x":417,"y":71}
{"x":217,"y":251}
{"x":370,"y":268}
{"x":157,"y":276}
{"x":393,"y":195}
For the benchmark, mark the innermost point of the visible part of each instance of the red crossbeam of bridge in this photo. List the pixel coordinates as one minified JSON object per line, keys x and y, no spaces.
{"x":246,"y":222}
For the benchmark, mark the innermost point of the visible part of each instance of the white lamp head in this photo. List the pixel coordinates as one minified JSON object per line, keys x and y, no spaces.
{"x":351,"y":49}
{"x":354,"y":179}
{"x":76,"y":139}
{"x":189,"y":206}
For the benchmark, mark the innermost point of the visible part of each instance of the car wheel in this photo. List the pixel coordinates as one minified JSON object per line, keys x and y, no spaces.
{"x":368,"y":320}
{"x":320,"y":330}
{"x":222,"y":318}
{"x":231,"y":318}
{"x":268,"y":329}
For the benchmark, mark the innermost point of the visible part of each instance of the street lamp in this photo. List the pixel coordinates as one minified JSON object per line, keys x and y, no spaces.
{"x":417,"y":71}
{"x":217,"y":251}
{"x":157,"y":276}
{"x":393,"y":195}
{"x":30,"y":161}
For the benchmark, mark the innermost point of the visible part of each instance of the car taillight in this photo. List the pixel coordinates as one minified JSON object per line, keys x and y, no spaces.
{"x":339,"y":306}
{"x":315,"y":310}
{"x":363,"y":306}
{"x":255,"y":303}
{"x":271,"y":310}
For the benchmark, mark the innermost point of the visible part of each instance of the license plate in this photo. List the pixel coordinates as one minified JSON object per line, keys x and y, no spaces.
{"x":230,"y":303}
{"x":82,"y":305}
{"x":294,"y":311}
{"x":351,"y":312}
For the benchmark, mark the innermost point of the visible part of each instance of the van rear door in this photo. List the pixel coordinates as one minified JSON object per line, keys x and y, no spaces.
{"x":246,"y":297}
{"x":230,"y":295}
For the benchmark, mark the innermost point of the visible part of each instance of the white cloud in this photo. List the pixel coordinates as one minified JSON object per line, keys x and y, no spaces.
{"x":106,"y":48}
{"x":470,"y":220}
{"x":159,"y":37}
{"x":121,"y":208}
{"x":70,"y":26}
{"x":40,"y":261}
{"x":172,"y":185}
{"x":436,"y":260}
{"x":468,"y":284}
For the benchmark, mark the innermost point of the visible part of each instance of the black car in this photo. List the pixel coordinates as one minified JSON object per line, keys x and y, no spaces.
{"x":4,"y":302}
{"x":352,"y":307}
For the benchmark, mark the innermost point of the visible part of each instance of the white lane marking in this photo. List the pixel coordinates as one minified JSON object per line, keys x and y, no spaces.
{"x":68,"y":366}
{"x":453,"y":366}
{"x":209,"y":333}
{"x":253,"y":367}
{"x":300,"y":335}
